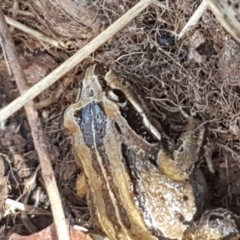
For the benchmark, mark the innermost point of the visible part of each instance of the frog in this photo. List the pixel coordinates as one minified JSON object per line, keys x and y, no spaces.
{"x":140,"y":185}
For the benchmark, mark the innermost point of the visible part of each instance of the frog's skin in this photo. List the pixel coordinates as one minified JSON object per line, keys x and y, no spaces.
{"x":137,"y":187}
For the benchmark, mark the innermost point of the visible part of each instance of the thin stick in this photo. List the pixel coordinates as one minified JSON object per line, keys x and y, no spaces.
{"x":195,"y":18}
{"x":74,"y":60}
{"x":37,"y":132}
{"x":30,"y":31}
{"x":29,"y":209}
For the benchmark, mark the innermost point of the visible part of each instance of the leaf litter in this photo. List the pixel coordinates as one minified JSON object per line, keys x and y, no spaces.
{"x":198,"y":74}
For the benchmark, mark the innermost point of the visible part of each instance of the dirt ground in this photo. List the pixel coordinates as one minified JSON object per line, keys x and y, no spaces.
{"x":199,"y":74}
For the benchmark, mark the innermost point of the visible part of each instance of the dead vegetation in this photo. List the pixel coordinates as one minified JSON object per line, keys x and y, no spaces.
{"x":198,"y":74}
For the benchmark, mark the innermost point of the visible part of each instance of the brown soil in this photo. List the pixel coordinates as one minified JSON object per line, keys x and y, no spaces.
{"x":198,"y":74}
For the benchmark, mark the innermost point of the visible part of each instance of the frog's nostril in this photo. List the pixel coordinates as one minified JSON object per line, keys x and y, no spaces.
{"x":91,"y":93}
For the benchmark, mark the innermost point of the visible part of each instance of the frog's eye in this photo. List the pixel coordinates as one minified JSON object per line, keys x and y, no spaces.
{"x":130,"y":114}
{"x":117,"y":96}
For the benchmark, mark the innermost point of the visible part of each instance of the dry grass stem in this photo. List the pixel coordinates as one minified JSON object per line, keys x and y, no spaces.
{"x":74,"y":60}
{"x":37,"y":133}
{"x":31,"y":32}
{"x":195,"y":18}
{"x":29,"y":209}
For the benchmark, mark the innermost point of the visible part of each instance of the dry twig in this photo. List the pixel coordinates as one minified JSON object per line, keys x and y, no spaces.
{"x":31,"y":32}
{"x":195,"y":18}
{"x":36,"y":130}
{"x":29,"y":209}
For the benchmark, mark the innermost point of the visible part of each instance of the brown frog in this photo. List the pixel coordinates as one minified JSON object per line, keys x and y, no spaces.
{"x":137,"y":187}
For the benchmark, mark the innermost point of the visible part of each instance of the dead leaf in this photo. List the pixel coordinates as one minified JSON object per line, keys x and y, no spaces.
{"x":50,"y":233}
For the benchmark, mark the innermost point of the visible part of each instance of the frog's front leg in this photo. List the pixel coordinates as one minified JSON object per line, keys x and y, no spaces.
{"x":180,"y":164}
{"x":209,"y":148}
